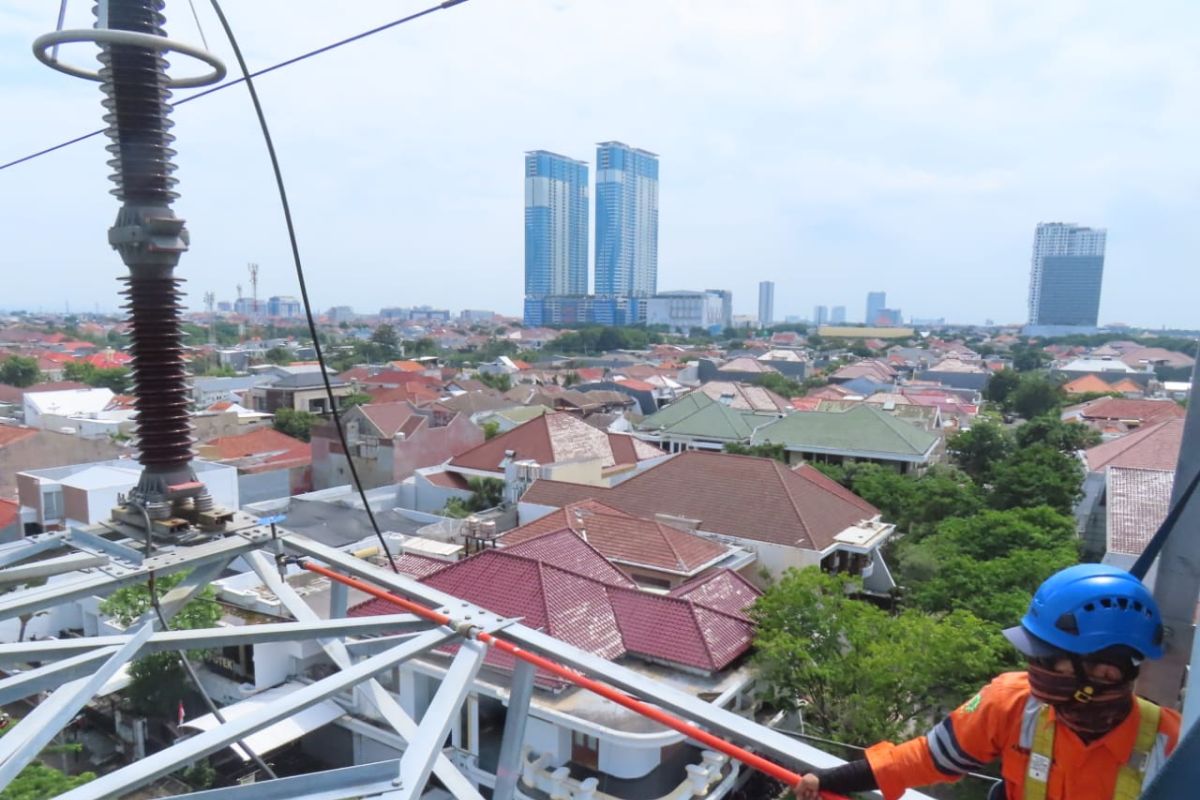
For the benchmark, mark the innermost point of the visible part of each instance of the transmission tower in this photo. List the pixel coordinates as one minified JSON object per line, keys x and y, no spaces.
{"x":210,"y":300}
{"x":253,"y":268}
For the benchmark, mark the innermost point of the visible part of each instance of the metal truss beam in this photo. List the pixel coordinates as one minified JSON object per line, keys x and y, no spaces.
{"x":372,"y":691}
{"x":508,"y":765}
{"x":439,"y":718}
{"x":179,"y":596}
{"x":114,"y":576}
{"x":121,"y":782}
{"x":49,"y":676}
{"x":206,"y":638}
{"x":719,"y":720}
{"x":48,"y":568}
{"x":86,"y":540}
{"x":333,"y":784}
{"x":45,"y":721}
{"x":16,"y":552}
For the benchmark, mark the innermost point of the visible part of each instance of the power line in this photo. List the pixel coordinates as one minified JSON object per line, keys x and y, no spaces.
{"x":234,"y":82}
{"x":291,"y":232}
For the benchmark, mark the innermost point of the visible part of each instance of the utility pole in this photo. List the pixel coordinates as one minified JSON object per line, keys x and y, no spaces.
{"x":1177,"y":583}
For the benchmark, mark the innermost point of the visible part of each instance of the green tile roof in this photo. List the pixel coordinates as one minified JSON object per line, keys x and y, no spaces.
{"x":862,"y":428}
{"x":699,"y":416}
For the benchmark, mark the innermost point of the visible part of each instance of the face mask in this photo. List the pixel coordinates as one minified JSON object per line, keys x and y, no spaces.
{"x":1089,"y":707}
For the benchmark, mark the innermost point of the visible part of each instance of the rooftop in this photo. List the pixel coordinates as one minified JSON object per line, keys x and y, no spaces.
{"x":1154,"y":446}
{"x":745,"y":396}
{"x":1138,"y":502}
{"x":555,"y":438}
{"x":697,"y":414}
{"x":860,"y":429}
{"x":260,"y":450}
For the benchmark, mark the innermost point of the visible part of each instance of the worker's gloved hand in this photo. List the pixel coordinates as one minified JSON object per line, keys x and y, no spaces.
{"x":808,"y":788}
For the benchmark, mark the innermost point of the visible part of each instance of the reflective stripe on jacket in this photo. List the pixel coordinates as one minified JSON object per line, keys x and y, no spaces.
{"x":1000,"y":722}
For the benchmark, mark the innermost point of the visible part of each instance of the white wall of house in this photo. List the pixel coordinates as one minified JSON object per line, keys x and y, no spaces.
{"x":622,"y":761}
{"x":549,"y":739}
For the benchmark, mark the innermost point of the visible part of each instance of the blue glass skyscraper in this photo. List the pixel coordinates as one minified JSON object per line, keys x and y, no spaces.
{"x":626,"y":221}
{"x":556,"y":225}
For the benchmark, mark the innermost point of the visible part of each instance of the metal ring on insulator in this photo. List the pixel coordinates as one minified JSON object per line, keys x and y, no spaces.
{"x":110,"y":36}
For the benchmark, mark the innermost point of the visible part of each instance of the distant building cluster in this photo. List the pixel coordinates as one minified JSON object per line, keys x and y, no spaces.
{"x":556,"y":237}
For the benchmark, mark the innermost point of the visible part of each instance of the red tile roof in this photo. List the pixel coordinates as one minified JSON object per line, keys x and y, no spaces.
{"x":553,"y":438}
{"x":11,"y":434}
{"x":635,"y":385}
{"x":10,"y":511}
{"x":108,"y":359}
{"x":722,"y":589}
{"x":624,"y":539}
{"x":751,"y":498}
{"x":1149,"y":447}
{"x":408,"y":366}
{"x":1138,"y":501}
{"x":608,"y":618}
{"x":1123,"y":408}
{"x":391,"y":418}
{"x":564,"y":549}
{"x":260,"y":450}
{"x":1086,"y":384}
{"x":449,"y":480}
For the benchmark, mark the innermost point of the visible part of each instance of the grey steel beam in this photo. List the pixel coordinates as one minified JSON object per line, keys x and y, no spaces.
{"x":207,"y":638}
{"x":373,"y":690}
{"x":123,"y":781}
{"x":331,"y":784}
{"x":86,"y":540}
{"x":179,"y":596}
{"x":50,"y":676}
{"x":16,"y":552}
{"x":439,"y":718}
{"x":48,"y":568}
{"x":45,"y":721}
{"x":508,"y":765}
{"x":114,"y":576}
{"x":1177,"y":583}
{"x":339,"y":599}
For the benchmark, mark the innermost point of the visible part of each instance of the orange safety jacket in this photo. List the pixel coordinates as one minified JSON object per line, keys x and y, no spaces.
{"x":1000,"y":722}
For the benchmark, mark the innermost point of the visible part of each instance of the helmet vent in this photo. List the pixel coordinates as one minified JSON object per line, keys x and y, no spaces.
{"x":1090,"y":607}
{"x":1104,"y":601}
{"x":1067,"y":623}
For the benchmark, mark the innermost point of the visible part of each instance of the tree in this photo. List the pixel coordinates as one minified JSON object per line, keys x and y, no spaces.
{"x":385,"y":338}
{"x":1037,"y":475}
{"x":779,"y":384}
{"x":1035,"y":395}
{"x":491,"y":429}
{"x":40,"y":782}
{"x":1001,"y":386}
{"x":1026,"y":358}
{"x":19,"y":371}
{"x":500,"y":381}
{"x":158,"y":681}
{"x":775,"y":451}
{"x":297,"y":424}
{"x":987,"y":563}
{"x":279,"y":355}
{"x":115,"y":379}
{"x":356,"y":399}
{"x":1051,"y":431}
{"x":978,"y":449}
{"x":861,"y":674}
{"x":884,"y":488}
{"x":485,"y":493}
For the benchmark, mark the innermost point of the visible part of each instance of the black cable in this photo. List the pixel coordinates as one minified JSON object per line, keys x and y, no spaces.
{"x":191,"y":671}
{"x":246,"y":77}
{"x":291,"y":230}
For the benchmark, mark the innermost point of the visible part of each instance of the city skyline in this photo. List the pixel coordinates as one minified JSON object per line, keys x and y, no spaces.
{"x":914,"y":168}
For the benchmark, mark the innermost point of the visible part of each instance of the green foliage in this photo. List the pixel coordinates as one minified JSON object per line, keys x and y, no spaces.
{"x":356,"y":399}
{"x":199,"y":776}
{"x":780,"y":385}
{"x":1037,"y":475}
{"x":297,"y":424}
{"x":40,"y":782}
{"x":1051,"y":431}
{"x":423,"y":347}
{"x":19,"y":371}
{"x":385,"y":337}
{"x":1001,"y":386}
{"x":775,"y":451}
{"x":279,"y":355}
{"x":977,"y":450}
{"x":491,"y":429}
{"x":114,"y":378}
{"x":1035,"y":395}
{"x":861,"y":674}
{"x":912,"y":503}
{"x":500,"y":381}
{"x":1026,"y":358}
{"x":571,"y":378}
{"x":485,"y":493}
{"x":987,"y":563}
{"x":158,"y":680}
{"x":596,"y":339}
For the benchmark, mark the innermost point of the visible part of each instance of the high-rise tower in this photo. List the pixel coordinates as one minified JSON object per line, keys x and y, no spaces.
{"x":556,"y":225}
{"x":626,"y":221}
{"x":1065,"y":274}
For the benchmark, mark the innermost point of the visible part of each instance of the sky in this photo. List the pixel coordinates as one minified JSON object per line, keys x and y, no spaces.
{"x":832,"y":147}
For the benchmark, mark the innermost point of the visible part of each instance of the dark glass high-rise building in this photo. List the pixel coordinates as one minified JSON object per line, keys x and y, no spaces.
{"x":626,"y":221}
{"x":1066,"y":274}
{"x":556,"y":225}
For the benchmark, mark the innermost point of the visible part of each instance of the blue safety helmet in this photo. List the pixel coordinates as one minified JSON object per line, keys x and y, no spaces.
{"x":1088,"y":608}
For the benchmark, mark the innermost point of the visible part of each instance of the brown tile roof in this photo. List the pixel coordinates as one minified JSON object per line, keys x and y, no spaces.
{"x":11,"y":434}
{"x":722,"y":589}
{"x":625,"y":539}
{"x":1153,"y":446}
{"x":1123,"y":408}
{"x":553,"y":438}
{"x":1138,"y":501}
{"x":751,"y":498}
{"x":448,"y":480}
{"x":10,"y":510}
{"x":745,"y":397}
{"x":258,"y":451}
{"x":390,"y":418}
{"x":1088,"y":383}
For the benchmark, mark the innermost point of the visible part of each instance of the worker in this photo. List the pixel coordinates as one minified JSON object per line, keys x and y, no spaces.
{"x":1068,"y":728}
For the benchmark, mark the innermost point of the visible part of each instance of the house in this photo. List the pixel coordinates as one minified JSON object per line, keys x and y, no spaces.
{"x":206,"y":391}
{"x":698,"y":422}
{"x":746,"y":397}
{"x":85,"y":494}
{"x":11,"y":528}
{"x":655,"y":555}
{"x":925,"y":417}
{"x":53,"y":410}
{"x":1107,"y":369}
{"x":957,"y":373}
{"x":390,"y":441}
{"x":32,"y":448}
{"x":1113,"y":416}
{"x":299,"y":388}
{"x":693,"y":639}
{"x":1090,"y":384}
{"x":1138,"y":502}
{"x":860,"y":433}
{"x":789,"y":517}
{"x":269,"y":463}
{"x":558,"y":443}
{"x":12,"y":398}
{"x":743,"y":369}
{"x":874,"y":370}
